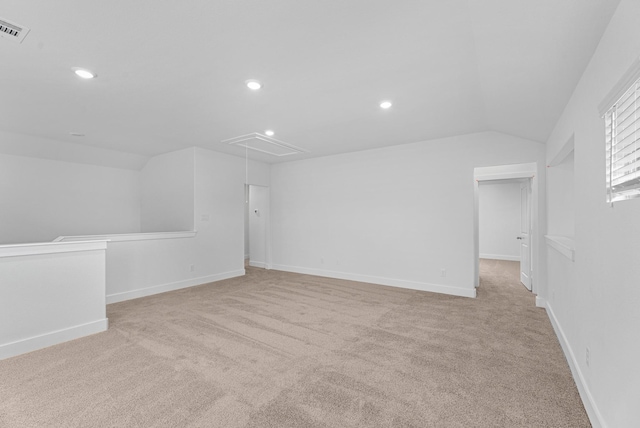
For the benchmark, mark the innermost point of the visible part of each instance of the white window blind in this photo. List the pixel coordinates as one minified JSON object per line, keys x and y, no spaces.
{"x":623,"y":146}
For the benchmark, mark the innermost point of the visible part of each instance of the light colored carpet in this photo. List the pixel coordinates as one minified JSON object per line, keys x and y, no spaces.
{"x":274,"y":349}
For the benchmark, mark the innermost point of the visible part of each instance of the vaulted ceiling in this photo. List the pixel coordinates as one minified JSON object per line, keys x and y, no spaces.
{"x":171,"y":74}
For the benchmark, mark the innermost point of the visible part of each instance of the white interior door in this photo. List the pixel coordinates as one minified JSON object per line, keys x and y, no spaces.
{"x":258,"y":221}
{"x":525,"y":233}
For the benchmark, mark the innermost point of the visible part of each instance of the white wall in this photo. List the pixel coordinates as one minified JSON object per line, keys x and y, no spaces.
{"x":41,"y":199}
{"x":168,"y":193}
{"x":50,"y":293}
{"x":560,"y":196}
{"x":139,"y":268}
{"x":142,"y":266}
{"x":499,"y":220}
{"x":595,"y":299}
{"x":219,"y":188}
{"x":395,"y":216}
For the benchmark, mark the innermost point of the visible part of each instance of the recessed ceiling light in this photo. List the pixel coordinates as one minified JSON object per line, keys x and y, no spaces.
{"x":253,"y":84}
{"x":385,"y":104}
{"x":269,"y":133}
{"x":85,"y":74}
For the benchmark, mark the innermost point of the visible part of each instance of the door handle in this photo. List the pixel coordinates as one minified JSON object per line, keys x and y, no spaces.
{"x":519,"y":237}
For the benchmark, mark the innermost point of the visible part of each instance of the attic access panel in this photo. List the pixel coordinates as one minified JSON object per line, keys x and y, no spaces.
{"x":263,"y":144}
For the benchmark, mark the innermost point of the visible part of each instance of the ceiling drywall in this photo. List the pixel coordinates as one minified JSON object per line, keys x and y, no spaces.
{"x":171,"y":73}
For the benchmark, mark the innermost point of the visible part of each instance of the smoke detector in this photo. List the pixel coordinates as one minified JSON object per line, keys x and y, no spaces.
{"x":12,"y":31}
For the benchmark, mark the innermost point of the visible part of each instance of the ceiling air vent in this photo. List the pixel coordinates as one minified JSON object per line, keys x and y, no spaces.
{"x":262,"y":143}
{"x":11,"y":31}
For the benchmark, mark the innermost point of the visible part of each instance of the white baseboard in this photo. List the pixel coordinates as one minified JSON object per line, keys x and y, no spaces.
{"x":585,"y":394}
{"x":257,"y":264}
{"x":540,"y":302}
{"x":413,"y":285}
{"x":163,"y":288}
{"x":34,"y":343}
{"x":500,"y":257}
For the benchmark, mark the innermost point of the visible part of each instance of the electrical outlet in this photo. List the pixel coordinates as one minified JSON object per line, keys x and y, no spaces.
{"x":192,"y":268}
{"x":443,"y":272}
{"x":587,"y":357}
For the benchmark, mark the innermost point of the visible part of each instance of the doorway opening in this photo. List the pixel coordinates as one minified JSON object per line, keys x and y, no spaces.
{"x":257,"y":251}
{"x":504,"y":224}
{"x":506,"y":221}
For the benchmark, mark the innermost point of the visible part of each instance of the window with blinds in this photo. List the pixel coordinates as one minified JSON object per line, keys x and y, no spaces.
{"x":623,"y":146}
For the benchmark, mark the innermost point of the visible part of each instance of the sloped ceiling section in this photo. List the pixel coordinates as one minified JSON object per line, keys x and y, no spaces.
{"x":171,"y":74}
